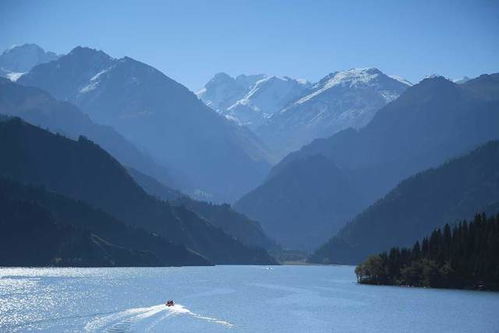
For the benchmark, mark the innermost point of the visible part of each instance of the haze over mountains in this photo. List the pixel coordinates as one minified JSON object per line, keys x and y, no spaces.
{"x":429,"y":123}
{"x":216,"y":232}
{"x":251,"y":100}
{"x":109,"y":149}
{"x":287,"y":113}
{"x":20,"y":59}
{"x":41,"y":109}
{"x":455,"y":190}
{"x":161,"y":116}
{"x":221,"y":216}
{"x":81,"y":170}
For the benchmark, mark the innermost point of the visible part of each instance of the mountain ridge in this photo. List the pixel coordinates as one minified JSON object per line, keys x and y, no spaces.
{"x":459,"y":188}
{"x":338,"y":101}
{"x":82,"y":235}
{"x":287,"y":113}
{"x":18,"y":59}
{"x":40,"y":109}
{"x":154,"y":112}
{"x":83,"y":171}
{"x":429,"y":123}
{"x":247,"y":231}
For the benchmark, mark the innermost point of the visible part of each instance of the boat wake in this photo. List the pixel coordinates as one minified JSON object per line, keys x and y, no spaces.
{"x":144,"y":319}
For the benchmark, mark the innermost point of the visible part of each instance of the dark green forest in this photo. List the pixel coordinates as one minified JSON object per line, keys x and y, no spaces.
{"x":463,"y":256}
{"x":82,"y":171}
{"x":43,"y":228}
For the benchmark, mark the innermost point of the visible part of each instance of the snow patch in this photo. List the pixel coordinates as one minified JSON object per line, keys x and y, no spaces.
{"x":14,"y":76}
{"x":401,"y":80}
{"x":350,"y":78}
{"x":462,"y":80}
{"x":96,"y":76}
{"x":94,"y":82}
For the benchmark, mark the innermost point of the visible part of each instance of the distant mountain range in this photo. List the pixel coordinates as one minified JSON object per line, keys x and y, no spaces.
{"x":223,"y":91}
{"x":429,"y":123}
{"x":219,"y":159}
{"x":81,"y":170}
{"x":222,"y":216}
{"x":456,"y":190}
{"x":305,"y":204}
{"x":111,"y":159}
{"x":287,"y":113}
{"x":251,"y":100}
{"x":20,"y":59}
{"x":39,"y":108}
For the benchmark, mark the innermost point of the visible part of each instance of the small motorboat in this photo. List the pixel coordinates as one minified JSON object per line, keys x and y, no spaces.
{"x":170,"y":303}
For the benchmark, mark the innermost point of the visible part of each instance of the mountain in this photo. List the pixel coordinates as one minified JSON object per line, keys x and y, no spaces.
{"x":21,"y":58}
{"x":154,"y":187}
{"x":459,"y":188}
{"x":222,"y":90}
{"x":298,"y":222}
{"x":154,"y":112}
{"x":248,"y":101}
{"x":287,"y":113}
{"x":4,"y":73}
{"x":222,"y":216}
{"x":39,"y":108}
{"x":81,"y":170}
{"x":29,"y":237}
{"x":41,"y":228}
{"x":429,"y":123}
{"x":338,"y":101}
{"x":464,"y":79}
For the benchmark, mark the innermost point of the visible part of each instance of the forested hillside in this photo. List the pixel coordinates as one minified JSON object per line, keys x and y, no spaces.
{"x":83,"y":171}
{"x":42,"y":228}
{"x":459,"y":256}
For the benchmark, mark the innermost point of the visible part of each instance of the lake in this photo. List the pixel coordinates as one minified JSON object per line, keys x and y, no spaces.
{"x":231,"y":299}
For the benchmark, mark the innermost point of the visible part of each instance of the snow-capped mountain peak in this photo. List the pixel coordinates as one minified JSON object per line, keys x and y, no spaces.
{"x":353,"y":76}
{"x":248,"y":81}
{"x":434,"y":76}
{"x":18,"y":59}
{"x":220,"y":78}
{"x":160,"y":115}
{"x":251,"y":99}
{"x":287,"y":113}
{"x":340,"y":100}
{"x":401,"y":80}
{"x":350,"y":78}
{"x":223,"y":90}
{"x":361,"y":78}
{"x":462,"y":80}
{"x":273,"y":90}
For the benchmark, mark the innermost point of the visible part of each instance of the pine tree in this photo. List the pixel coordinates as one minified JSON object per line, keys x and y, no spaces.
{"x":464,"y":256}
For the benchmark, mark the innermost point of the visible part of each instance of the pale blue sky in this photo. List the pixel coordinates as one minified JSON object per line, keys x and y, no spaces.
{"x":191,"y":40}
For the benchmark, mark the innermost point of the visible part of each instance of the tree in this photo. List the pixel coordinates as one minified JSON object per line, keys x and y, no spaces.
{"x":465,"y":256}
{"x":372,"y":271}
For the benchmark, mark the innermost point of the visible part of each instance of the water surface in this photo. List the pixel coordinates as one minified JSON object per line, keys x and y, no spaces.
{"x":231,"y":299}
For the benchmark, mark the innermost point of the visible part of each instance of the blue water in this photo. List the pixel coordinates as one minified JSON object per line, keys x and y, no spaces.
{"x":231,"y":299}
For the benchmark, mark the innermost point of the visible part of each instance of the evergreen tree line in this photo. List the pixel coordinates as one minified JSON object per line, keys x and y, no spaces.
{"x":465,"y":256}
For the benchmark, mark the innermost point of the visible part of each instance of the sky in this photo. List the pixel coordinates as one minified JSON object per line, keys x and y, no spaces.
{"x":191,"y":40}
